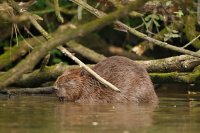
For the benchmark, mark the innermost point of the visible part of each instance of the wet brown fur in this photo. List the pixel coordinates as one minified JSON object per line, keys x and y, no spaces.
{"x":131,"y":78}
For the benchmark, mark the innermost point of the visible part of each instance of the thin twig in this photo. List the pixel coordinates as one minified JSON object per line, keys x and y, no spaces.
{"x":191,"y":41}
{"x":57,"y":11}
{"x":38,"y":26}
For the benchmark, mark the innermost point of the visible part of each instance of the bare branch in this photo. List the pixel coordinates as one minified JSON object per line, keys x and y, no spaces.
{"x":39,"y":52}
{"x":135,"y":32}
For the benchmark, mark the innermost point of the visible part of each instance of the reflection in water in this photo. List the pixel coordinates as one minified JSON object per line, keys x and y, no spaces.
{"x":27,"y":114}
{"x":46,"y":114}
{"x":104,"y":117}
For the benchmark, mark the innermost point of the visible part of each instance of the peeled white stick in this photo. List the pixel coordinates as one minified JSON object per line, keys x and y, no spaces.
{"x":82,"y":65}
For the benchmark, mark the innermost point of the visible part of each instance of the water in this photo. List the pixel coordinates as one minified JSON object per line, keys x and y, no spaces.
{"x":177,"y":112}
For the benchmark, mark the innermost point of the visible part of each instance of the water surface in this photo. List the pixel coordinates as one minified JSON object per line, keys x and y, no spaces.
{"x":177,"y":112}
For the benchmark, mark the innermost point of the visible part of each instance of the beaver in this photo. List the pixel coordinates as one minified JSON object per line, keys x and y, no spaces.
{"x":131,"y":78}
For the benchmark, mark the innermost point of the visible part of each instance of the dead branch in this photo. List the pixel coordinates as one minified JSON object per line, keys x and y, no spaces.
{"x":180,"y":63}
{"x":135,"y":32}
{"x":57,"y":11}
{"x":19,"y":91}
{"x":39,"y":52}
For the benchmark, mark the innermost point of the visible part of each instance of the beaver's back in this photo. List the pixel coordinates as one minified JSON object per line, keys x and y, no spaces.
{"x":131,"y":78}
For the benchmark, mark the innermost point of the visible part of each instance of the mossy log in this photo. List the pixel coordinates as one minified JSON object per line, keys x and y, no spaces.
{"x":176,"y":77}
{"x":37,"y":78}
{"x":16,"y":52}
{"x":161,"y":71}
{"x":180,"y":63}
{"x":19,"y":50}
{"x":49,"y":73}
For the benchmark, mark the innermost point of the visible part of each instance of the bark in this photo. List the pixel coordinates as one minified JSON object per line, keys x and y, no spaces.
{"x":180,"y":63}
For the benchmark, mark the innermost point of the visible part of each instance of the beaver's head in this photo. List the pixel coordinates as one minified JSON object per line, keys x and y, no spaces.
{"x":69,"y":85}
